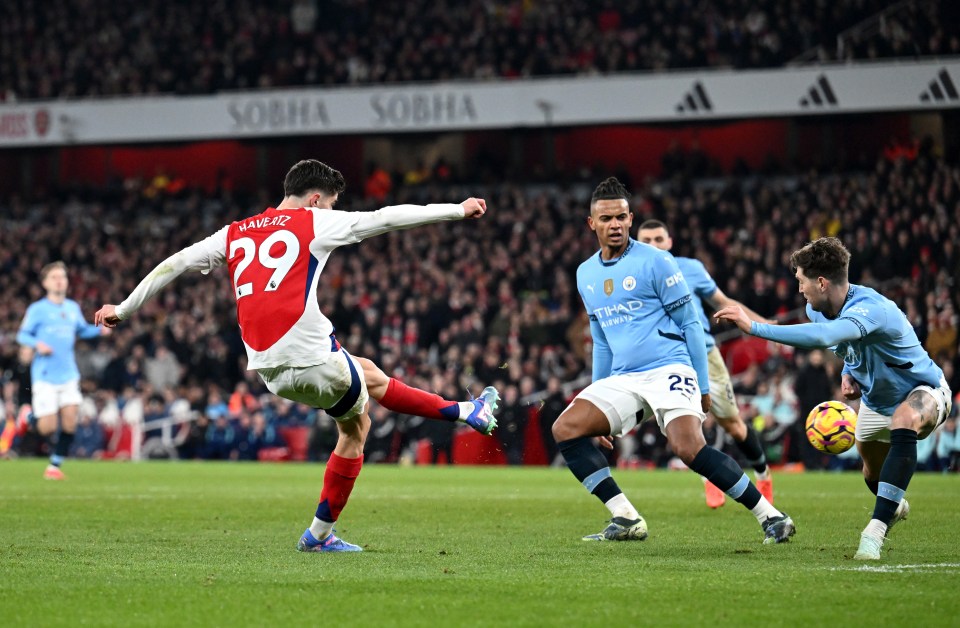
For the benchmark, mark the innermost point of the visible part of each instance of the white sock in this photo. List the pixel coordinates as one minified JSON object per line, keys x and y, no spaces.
{"x":762,"y":476}
{"x":764,"y":510}
{"x":620,"y":506}
{"x":320,"y":529}
{"x":876,"y":528}
{"x":466,"y":407}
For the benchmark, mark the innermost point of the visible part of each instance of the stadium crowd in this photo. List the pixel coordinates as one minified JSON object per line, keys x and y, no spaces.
{"x":454,"y":305}
{"x":62,"y":49}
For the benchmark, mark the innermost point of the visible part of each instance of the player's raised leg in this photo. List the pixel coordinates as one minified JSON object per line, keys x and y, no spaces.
{"x":394,"y":395}
{"x":685,"y":434}
{"x":574,"y":432}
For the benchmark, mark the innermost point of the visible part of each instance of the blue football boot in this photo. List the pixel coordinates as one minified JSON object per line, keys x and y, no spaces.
{"x":332,"y":543}
{"x":481,"y":419}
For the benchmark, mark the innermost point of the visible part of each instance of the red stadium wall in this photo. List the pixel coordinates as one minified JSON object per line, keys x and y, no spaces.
{"x":640,"y":149}
{"x":201,"y":164}
{"x":241,"y":164}
{"x":248,"y":165}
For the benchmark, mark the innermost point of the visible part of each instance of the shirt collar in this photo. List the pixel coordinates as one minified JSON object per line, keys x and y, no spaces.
{"x":618,"y":258}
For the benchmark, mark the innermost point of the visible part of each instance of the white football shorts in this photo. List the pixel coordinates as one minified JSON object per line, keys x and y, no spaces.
{"x":337,"y":385}
{"x":47,"y":398}
{"x":667,"y":392}
{"x":871,"y":425}
{"x":724,"y":402}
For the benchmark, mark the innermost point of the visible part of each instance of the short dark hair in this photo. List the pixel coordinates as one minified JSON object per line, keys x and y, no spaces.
{"x":824,"y":257}
{"x":610,"y":189}
{"x":653,"y":223}
{"x":310,"y":174}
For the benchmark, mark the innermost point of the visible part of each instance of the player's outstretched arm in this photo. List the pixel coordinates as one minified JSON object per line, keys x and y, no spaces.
{"x":805,"y":335}
{"x":397,"y":217}
{"x":203,"y":256}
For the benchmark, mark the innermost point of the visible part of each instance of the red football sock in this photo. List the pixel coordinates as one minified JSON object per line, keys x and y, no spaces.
{"x":338,"y":481}
{"x":407,"y":400}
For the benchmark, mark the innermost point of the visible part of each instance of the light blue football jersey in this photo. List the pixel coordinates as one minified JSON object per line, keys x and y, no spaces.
{"x":702,"y":286}
{"x":885,"y":357}
{"x":57,"y":325}
{"x":629,"y":298}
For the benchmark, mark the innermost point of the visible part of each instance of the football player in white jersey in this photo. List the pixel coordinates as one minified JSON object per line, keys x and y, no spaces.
{"x":275,"y":259}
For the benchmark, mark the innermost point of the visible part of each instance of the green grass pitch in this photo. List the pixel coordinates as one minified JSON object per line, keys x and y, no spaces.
{"x":209,"y":544}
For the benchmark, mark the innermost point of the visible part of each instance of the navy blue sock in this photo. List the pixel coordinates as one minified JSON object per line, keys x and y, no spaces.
{"x":895,"y":473}
{"x":589,"y":466}
{"x":323,"y":512}
{"x":752,"y":450}
{"x":726,"y":475}
{"x":873,"y":485}
{"x":64,"y":441}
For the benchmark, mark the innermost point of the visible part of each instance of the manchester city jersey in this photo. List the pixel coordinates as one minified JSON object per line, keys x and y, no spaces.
{"x":629,"y":297}
{"x":887,"y":360}
{"x":702,"y":286}
{"x":57,"y":325}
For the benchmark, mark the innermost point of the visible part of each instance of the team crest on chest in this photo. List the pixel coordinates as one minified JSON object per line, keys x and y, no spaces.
{"x":608,"y":286}
{"x":629,"y":283}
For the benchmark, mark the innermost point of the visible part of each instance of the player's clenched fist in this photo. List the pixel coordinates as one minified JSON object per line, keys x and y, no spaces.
{"x":474,"y":207}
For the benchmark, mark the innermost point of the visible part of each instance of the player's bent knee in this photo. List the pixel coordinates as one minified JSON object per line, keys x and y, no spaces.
{"x":687,"y":450}
{"x":371,"y":372}
{"x":355,"y":429}
{"x":563,"y":428}
{"x":581,"y":418}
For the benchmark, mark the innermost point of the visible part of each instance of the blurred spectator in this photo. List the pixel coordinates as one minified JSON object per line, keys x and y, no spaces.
{"x":192,"y":438}
{"x":89,"y":441}
{"x":220,"y":442}
{"x":254,"y":434}
{"x":553,"y":405}
{"x":162,"y":370}
{"x":241,"y":401}
{"x":948,"y":445}
{"x":323,"y":438}
{"x":512,"y":424}
{"x":381,"y":441}
{"x":378,"y":184}
{"x":941,"y":340}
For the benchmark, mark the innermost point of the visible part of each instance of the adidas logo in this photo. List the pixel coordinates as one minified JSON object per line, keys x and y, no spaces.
{"x":941,"y":89}
{"x":820,"y":94}
{"x":696,"y":100}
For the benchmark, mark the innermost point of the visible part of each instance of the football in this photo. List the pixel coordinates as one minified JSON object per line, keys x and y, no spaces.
{"x":830,"y":427}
